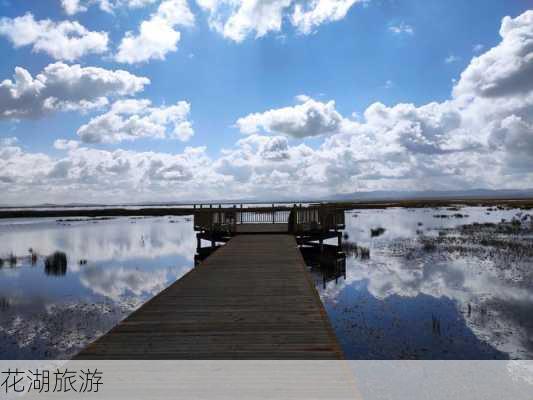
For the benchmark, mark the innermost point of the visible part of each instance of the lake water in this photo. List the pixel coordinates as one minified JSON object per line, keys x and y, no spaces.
{"x":406,"y":300}
{"x":129,"y":260}
{"x":460,"y":301}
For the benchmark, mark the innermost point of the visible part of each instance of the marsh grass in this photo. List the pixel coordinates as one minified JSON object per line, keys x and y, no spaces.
{"x":435,"y":324}
{"x":375,"y":232}
{"x":351,"y":249}
{"x":428,"y":245}
{"x":56,"y":264}
{"x":12,"y":260}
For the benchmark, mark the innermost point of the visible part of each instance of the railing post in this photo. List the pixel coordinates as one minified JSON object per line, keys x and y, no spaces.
{"x":273,"y":214}
{"x":211,"y":217}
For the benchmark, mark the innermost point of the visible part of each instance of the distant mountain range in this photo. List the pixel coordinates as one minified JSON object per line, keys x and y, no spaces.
{"x":435,"y":195}
{"x":379,"y":195}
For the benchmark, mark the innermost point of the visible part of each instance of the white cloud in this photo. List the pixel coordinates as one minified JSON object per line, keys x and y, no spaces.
{"x":62,"y":144}
{"x":309,"y":15}
{"x":135,"y":119}
{"x":402,"y":29}
{"x":119,"y":175}
{"x":64,"y":87}
{"x":72,"y":7}
{"x":8,"y":141}
{"x":481,"y":137}
{"x":311,"y":118}
{"x":478,"y":48}
{"x":451,"y":59}
{"x":238,"y":19}
{"x":505,"y":69}
{"x":448,"y":145}
{"x":66,"y":40}
{"x":157,"y":35}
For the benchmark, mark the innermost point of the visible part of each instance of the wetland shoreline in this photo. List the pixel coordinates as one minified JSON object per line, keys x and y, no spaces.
{"x":95,"y":211}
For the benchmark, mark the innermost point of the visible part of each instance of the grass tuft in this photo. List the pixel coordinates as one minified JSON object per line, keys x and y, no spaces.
{"x":56,"y":264}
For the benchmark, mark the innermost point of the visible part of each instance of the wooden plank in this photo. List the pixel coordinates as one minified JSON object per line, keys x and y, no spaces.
{"x":252,"y":299}
{"x":261,"y":228}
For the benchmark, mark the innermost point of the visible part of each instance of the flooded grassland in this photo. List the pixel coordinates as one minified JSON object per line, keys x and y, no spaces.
{"x":424,"y":283}
{"x":449,"y":283}
{"x":113,"y":266}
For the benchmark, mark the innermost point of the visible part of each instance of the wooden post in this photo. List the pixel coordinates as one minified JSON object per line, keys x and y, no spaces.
{"x":273,"y":214}
{"x":210,"y":217}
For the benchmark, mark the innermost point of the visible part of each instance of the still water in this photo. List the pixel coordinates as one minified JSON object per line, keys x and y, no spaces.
{"x":460,"y":301}
{"x":401,"y":302}
{"x":44,"y":314}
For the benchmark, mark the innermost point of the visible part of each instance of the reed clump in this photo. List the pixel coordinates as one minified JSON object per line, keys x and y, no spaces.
{"x":56,"y":264}
{"x":353,"y":250}
{"x":12,"y":260}
{"x":375,"y":232}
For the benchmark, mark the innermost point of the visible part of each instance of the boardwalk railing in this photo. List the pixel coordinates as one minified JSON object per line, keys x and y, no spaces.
{"x":306,"y":219}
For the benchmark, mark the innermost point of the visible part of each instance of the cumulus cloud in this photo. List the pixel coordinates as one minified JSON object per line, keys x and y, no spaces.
{"x":488,"y":121}
{"x":66,"y":40}
{"x":238,"y":19}
{"x":309,"y":15}
{"x":63,"y":144}
{"x":235,"y":20}
{"x":505,"y":69}
{"x":311,"y":118}
{"x":135,"y":119}
{"x":64,"y":87}
{"x":101,"y":175}
{"x":480,"y":137}
{"x":157,"y":36}
{"x":72,"y":7}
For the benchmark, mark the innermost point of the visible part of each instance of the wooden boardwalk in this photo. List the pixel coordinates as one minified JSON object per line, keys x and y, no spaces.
{"x":261,"y":228}
{"x":252,"y":299}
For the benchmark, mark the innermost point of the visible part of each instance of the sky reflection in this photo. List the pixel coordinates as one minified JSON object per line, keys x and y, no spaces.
{"x":113,"y":267}
{"x":386,"y":306}
{"x":400,"y":303}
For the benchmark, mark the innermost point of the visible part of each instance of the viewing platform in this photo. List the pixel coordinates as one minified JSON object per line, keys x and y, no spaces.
{"x":251,"y":298}
{"x":307,"y":224}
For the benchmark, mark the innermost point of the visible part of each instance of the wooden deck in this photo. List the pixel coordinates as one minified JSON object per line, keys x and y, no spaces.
{"x":252,"y":299}
{"x":261,"y":228}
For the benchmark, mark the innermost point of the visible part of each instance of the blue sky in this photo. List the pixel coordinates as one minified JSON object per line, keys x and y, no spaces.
{"x":388,"y":52}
